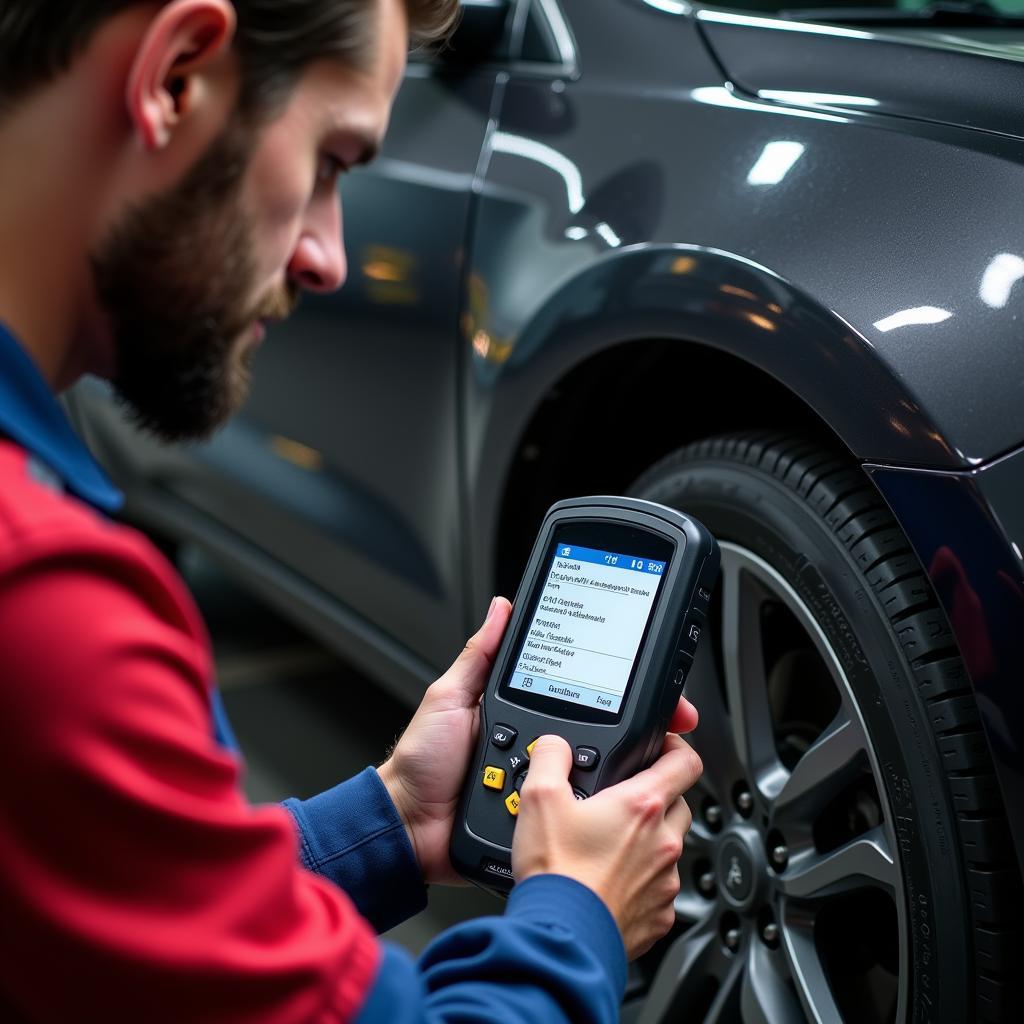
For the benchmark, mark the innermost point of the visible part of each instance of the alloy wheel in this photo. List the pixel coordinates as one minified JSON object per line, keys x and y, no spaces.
{"x":792,"y":906}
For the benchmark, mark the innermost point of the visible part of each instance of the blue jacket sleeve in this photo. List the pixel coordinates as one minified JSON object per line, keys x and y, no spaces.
{"x":555,"y":955}
{"x":353,"y":835}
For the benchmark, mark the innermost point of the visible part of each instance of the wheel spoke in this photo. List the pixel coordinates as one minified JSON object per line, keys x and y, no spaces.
{"x":807,"y":971}
{"x":698,"y":842}
{"x":864,"y":861}
{"x":693,"y":908}
{"x":750,"y":715}
{"x":823,"y":771}
{"x":682,"y":974}
{"x":765,"y":997}
{"x":724,"y":1009}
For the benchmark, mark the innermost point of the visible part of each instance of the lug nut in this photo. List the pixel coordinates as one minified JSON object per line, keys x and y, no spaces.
{"x":770,"y":933}
{"x":713,"y":815}
{"x":745,"y":802}
{"x":706,"y":883}
{"x":732,"y":939}
{"x":780,"y":857}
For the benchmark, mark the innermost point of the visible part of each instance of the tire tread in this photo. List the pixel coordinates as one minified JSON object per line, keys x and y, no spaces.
{"x":857,"y":516}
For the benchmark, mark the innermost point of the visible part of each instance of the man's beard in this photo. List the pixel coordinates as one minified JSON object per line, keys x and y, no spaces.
{"x":176,"y":278}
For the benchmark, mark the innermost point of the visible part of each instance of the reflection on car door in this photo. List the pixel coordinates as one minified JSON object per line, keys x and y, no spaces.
{"x":347,"y":453}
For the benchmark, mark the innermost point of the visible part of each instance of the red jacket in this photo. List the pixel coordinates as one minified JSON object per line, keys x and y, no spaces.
{"x":126,"y":838}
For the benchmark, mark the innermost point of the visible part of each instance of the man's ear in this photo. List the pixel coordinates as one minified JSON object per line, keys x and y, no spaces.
{"x":183,"y":41}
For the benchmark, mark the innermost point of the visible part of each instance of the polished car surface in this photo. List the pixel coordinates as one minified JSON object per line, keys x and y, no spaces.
{"x":600,"y":232}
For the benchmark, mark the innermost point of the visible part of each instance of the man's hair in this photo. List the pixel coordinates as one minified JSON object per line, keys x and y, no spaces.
{"x":275,"y":41}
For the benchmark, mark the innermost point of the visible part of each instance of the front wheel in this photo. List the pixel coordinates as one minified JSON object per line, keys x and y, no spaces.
{"x":839,"y":867}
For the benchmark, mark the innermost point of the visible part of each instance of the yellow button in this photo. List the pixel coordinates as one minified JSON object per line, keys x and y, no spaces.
{"x":494,"y":778}
{"x":512,"y":803}
{"x":529,"y":749}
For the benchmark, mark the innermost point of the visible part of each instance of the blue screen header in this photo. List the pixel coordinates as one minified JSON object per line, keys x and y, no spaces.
{"x":612,"y":559}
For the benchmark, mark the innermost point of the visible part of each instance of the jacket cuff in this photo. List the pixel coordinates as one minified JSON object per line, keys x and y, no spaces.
{"x":562,"y":901}
{"x":352,"y":835}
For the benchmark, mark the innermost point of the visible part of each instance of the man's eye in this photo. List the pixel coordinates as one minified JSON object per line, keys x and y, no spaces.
{"x":328,"y":170}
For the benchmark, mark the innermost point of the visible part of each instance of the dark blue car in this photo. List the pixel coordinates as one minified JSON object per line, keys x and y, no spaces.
{"x":763,"y":266}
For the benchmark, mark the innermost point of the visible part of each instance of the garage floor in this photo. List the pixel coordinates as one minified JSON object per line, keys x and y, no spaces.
{"x":306,"y":721}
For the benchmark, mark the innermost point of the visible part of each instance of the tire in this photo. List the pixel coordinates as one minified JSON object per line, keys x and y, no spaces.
{"x":849,"y":859}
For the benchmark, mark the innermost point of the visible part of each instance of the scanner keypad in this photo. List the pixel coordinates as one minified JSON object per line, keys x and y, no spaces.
{"x":509,"y":780}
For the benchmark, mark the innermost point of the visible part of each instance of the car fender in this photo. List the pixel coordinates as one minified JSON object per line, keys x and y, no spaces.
{"x":697,"y":295}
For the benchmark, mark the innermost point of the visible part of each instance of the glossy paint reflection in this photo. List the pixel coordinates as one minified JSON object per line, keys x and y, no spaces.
{"x":531,"y":149}
{"x":725,"y":96}
{"x":775,"y":162}
{"x":918,"y":316}
{"x":816,"y":99}
{"x":999,"y":278}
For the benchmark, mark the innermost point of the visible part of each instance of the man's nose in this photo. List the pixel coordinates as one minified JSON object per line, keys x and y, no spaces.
{"x":318,"y":263}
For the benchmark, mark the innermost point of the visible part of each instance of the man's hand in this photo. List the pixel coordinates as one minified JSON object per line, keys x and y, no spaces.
{"x":425,"y":771}
{"x":623,"y":843}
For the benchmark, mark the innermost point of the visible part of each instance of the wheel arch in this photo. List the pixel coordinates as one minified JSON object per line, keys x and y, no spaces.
{"x":578,"y":399}
{"x":614,"y":453}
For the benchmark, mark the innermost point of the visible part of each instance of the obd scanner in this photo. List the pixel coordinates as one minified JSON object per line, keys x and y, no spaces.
{"x":603,"y":632}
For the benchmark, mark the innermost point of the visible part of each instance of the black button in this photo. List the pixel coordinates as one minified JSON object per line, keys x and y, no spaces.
{"x":586,"y":758}
{"x":517,"y":760}
{"x":702,"y":592}
{"x":503,"y":736}
{"x":681,"y":669}
{"x":693,"y":630}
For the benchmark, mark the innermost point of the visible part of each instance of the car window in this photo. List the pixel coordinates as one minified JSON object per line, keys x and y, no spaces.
{"x":541,"y":36}
{"x":1014,"y":7}
{"x":465,"y":40}
{"x":537,"y":43}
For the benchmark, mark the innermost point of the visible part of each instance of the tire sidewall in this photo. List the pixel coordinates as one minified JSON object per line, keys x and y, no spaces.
{"x":748,"y":507}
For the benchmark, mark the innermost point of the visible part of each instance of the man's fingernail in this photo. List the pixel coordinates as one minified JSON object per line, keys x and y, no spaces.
{"x":490,"y":611}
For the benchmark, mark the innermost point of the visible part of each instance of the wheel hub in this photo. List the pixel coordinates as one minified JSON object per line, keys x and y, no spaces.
{"x":742,"y":869}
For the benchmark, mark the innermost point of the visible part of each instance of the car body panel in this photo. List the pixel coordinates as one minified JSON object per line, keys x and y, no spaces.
{"x":528,"y":217}
{"x":967,"y":529}
{"x":846,"y":224}
{"x":692,"y":295}
{"x":966,"y":77}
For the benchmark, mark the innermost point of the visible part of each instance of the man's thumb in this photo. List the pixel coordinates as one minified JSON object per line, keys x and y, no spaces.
{"x":468,"y":674}
{"x":550,"y":763}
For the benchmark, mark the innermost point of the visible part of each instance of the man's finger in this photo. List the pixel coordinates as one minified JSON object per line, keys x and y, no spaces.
{"x":467,"y":677}
{"x":684,"y":718}
{"x":550,"y":764}
{"x":673,"y":773}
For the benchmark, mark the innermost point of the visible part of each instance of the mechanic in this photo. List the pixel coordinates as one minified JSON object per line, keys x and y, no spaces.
{"x":169,"y":178}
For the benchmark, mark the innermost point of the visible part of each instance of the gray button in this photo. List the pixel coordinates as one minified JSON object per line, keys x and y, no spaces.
{"x":693,"y":630}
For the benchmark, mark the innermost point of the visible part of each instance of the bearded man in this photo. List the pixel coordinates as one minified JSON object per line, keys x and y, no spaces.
{"x":170,"y":184}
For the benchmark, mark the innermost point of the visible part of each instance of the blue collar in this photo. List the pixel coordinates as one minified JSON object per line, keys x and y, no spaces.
{"x":32,"y":417}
